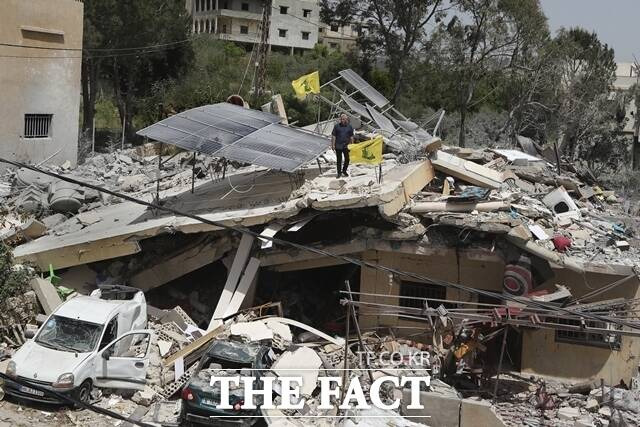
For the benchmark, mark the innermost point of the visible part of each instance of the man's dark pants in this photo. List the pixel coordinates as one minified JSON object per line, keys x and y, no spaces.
{"x":339,"y":153}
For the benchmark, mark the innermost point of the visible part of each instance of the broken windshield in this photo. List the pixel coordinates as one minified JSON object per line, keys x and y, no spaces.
{"x":63,"y":333}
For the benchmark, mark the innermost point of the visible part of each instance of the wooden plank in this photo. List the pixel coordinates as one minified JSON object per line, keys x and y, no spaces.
{"x":195,"y":345}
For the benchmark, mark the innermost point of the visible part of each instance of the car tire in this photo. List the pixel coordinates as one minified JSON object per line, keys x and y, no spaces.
{"x":83,"y":393}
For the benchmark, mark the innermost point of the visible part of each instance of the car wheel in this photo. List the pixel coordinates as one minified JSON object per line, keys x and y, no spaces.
{"x":83,"y":393}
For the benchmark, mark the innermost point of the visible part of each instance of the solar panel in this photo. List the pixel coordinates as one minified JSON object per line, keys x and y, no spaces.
{"x":381,"y":120}
{"x":365,"y":88}
{"x":236,"y":133}
{"x":356,"y":107}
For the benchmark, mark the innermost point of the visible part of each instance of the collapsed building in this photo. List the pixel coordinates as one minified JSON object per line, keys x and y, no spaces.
{"x":492,"y":259}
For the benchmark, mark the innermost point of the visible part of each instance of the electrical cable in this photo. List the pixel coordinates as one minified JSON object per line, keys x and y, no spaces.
{"x":324,"y":253}
{"x":106,"y":49}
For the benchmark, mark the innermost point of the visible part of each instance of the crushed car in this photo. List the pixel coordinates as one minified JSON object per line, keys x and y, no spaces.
{"x":225,"y":358}
{"x":89,"y":341}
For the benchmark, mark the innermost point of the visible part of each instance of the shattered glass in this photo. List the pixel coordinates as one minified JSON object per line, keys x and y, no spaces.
{"x":65,"y":334}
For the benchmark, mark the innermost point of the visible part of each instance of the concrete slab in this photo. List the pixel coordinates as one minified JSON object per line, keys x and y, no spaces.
{"x":305,"y":359}
{"x":46,"y":293}
{"x":478,"y":413}
{"x":439,"y":410}
{"x":252,"y":331}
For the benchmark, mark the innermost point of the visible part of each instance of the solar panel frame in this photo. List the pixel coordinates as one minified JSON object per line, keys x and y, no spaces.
{"x":365,"y":88}
{"x":356,"y":107}
{"x":381,"y":120}
{"x":236,"y":133}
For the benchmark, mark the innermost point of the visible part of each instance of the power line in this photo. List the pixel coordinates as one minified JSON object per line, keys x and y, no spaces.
{"x":115,"y":55}
{"x":324,"y":253}
{"x":106,"y":49}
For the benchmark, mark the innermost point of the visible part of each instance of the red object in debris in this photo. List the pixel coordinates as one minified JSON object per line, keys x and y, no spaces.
{"x":561,"y":243}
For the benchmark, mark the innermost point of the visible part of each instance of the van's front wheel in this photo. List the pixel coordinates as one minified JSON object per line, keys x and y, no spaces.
{"x":83,"y":393}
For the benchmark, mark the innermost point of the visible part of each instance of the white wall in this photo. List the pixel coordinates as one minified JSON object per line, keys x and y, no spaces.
{"x":44,"y":85}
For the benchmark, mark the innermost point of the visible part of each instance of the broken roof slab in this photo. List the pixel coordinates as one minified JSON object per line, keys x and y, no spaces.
{"x":261,"y":199}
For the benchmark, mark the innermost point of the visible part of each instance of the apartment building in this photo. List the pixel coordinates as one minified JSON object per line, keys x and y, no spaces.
{"x":293,"y":28}
{"x":339,"y":37}
{"x":40,"y":61}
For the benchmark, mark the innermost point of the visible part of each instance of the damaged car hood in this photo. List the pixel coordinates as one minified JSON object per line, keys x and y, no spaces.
{"x":34,"y":361}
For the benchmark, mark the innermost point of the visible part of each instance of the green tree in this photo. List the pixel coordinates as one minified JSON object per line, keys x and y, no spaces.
{"x":484,"y":39}
{"x":389,"y":28}
{"x":134,"y":45}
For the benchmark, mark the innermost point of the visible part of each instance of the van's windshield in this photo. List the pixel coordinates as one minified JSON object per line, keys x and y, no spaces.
{"x":63,"y":333}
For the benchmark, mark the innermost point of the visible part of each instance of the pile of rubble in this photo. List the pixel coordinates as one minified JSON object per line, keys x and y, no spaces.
{"x":556,"y":216}
{"x":35,"y":204}
{"x":550,"y":402}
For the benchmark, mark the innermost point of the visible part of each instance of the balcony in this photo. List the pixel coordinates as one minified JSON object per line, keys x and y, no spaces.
{"x":242,"y":38}
{"x":241,"y":14}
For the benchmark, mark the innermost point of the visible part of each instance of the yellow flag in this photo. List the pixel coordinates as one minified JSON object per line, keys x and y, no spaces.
{"x":309,"y":83}
{"x":369,"y":151}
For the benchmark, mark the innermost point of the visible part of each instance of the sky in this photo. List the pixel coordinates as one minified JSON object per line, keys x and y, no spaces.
{"x":615,"y":22}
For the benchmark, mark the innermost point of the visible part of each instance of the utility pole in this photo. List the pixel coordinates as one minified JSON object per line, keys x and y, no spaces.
{"x":263,"y":49}
{"x":635,"y":148}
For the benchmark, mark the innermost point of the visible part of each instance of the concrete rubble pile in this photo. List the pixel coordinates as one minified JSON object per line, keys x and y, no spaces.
{"x":558,"y":217}
{"x":35,"y":204}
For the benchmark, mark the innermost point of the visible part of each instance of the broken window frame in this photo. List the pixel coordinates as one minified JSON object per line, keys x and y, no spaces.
{"x":284,"y":10}
{"x":282,"y":33}
{"x":587,"y":338}
{"x":306,"y":13}
{"x":305,"y":35}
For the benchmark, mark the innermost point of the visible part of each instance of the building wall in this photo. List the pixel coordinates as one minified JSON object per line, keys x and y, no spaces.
{"x":295,"y":23}
{"x":344,"y":39}
{"x":541,"y":355}
{"x":40,"y":86}
{"x":230,"y":13}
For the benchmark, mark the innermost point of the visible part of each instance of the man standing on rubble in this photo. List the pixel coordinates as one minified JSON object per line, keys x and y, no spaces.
{"x":341,"y":137}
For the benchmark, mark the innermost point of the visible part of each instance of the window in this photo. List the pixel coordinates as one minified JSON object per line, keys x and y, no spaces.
{"x":306,"y":13}
{"x":208,"y":27}
{"x":305,"y":35}
{"x":37,"y":125}
{"x":333,"y":45}
{"x":284,"y":10}
{"x":197,"y":5}
{"x":224,"y":28}
{"x":244,"y":29}
{"x":110,"y":333}
{"x":321,"y":30}
{"x":282,"y":32}
{"x":334,"y":27}
{"x":594,"y":339}
{"x":421,"y":290}
{"x":208,"y":4}
{"x":244,"y":6}
{"x":202,"y":5}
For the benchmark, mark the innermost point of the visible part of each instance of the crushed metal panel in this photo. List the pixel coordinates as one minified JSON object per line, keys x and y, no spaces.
{"x":365,"y":88}
{"x":356,"y":107}
{"x":381,"y":120}
{"x":226,"y":130}
{"x":414,"y":129}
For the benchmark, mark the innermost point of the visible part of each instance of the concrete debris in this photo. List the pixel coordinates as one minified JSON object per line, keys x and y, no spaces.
{"x":305,"y":359}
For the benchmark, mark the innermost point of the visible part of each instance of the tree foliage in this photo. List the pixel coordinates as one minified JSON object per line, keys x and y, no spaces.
{"x":393,"y":28}
{"x":132,"y":46}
